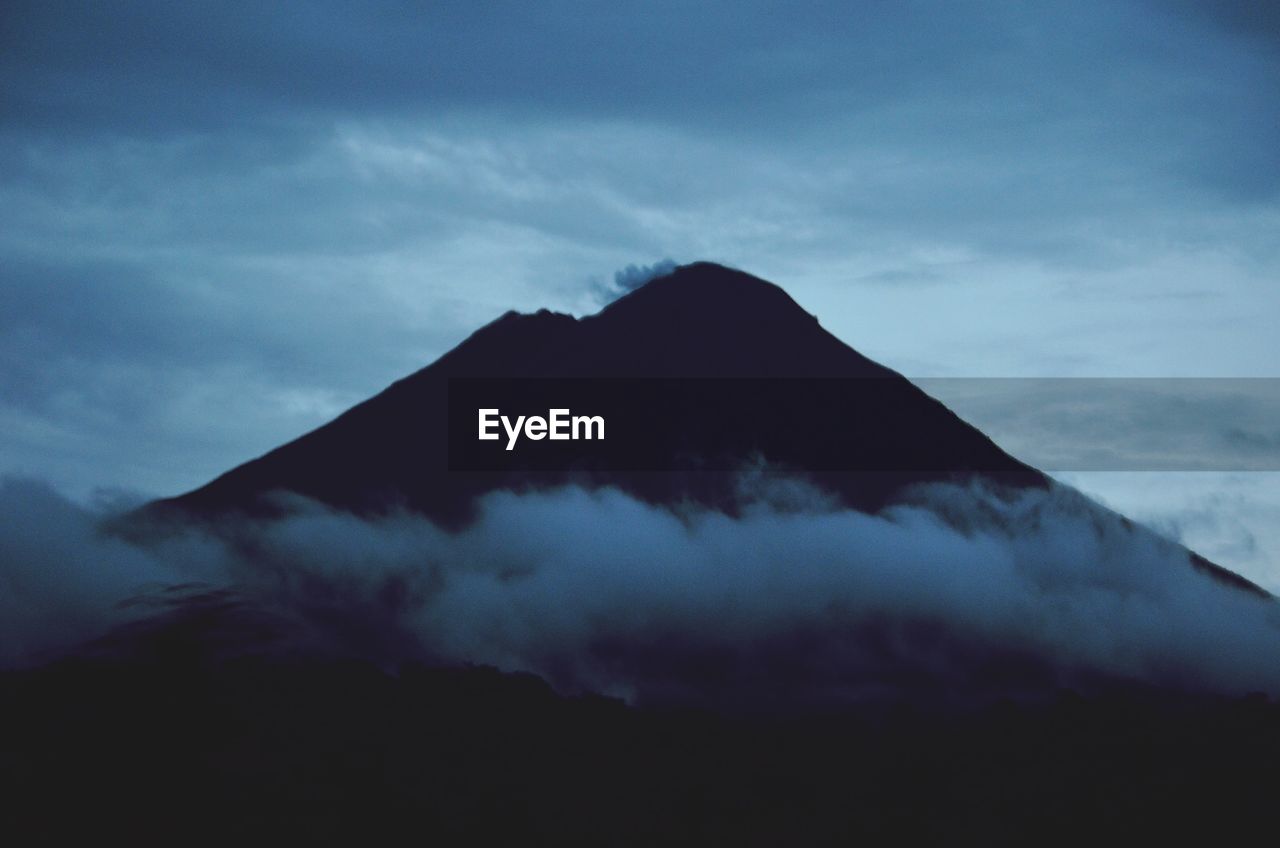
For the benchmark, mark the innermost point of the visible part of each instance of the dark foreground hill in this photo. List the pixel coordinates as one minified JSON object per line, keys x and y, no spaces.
{"x":168,"y":752}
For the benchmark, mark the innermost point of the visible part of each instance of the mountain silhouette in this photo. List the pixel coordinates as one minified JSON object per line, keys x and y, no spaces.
{"x":858,"y":431}
{"x":680,"y":692}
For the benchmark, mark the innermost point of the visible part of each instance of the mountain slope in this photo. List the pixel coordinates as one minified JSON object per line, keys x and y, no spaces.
{"x":702,"y":322}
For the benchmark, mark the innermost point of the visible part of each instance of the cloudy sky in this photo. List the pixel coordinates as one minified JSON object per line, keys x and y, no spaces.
{"x":226,"y":222}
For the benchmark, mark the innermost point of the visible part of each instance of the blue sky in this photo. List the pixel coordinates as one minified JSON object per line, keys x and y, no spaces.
{"x":224,"y":223}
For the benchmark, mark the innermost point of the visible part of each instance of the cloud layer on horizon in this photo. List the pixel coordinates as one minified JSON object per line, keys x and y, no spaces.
{"x":955,"y":595}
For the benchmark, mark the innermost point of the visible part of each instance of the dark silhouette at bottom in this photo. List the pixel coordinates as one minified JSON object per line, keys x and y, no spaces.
{"x":164,"y":751}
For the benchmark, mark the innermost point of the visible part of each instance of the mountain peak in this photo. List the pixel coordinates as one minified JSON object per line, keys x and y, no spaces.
{"x":704,"y":319}
{"x":707,"y":287}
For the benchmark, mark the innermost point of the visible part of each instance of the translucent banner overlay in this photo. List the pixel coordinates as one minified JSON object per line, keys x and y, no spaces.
{"x":868,"y":424}
{"x":1124,"y":424}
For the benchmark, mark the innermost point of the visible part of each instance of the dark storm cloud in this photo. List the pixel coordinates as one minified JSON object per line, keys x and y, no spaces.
{"x":1249,"y":18}
{"x":1109,"y":82}
{"x":146,"y":67}
{"x":1237,"y":151}
{"x":1012,"y":125}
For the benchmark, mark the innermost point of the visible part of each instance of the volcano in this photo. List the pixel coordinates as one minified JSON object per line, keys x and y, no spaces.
{"x":734,"y":345}
{"x":410,"y":630}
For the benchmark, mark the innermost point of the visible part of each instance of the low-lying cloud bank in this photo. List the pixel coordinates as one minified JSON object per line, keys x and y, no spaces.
{"x":959,"y":593}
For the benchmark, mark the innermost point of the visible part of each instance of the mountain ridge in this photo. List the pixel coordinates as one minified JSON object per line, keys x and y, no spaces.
{"x":701,"y":321}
